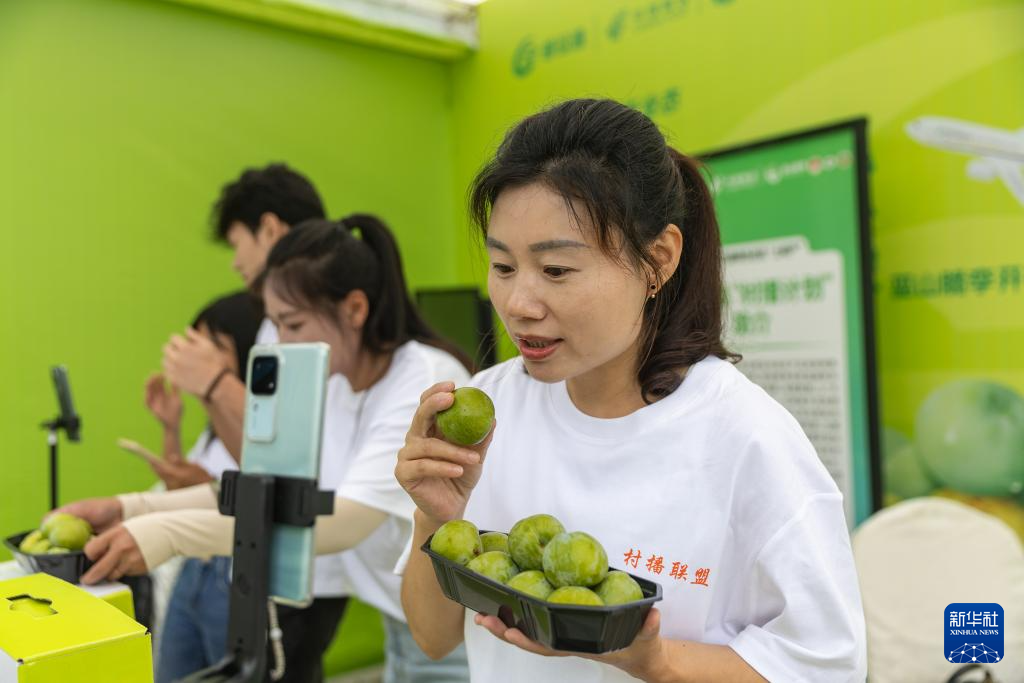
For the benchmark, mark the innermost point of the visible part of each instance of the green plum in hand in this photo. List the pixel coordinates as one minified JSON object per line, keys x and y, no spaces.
{"x":469,"y":418}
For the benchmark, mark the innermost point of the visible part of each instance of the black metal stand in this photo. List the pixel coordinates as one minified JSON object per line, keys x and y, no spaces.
{"x":257,"y":502}
{"x":70,"y":427}
{"x":51,"y":438}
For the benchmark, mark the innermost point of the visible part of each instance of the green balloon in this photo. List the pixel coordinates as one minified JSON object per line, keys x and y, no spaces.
{"x":969,"y":435}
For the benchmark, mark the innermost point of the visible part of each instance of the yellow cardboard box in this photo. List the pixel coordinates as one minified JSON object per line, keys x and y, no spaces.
{"x":117,"y":594}
{"x":54,"y":632}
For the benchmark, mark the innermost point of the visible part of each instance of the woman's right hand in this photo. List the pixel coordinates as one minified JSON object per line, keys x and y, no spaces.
{"x":101,"y":513}
{"x":163,"y":402}
{"x":438,"y":475}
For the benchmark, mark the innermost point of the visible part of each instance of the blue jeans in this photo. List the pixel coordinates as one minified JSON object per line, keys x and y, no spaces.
{"x":196,"y":626}
{"x":405,"y":662}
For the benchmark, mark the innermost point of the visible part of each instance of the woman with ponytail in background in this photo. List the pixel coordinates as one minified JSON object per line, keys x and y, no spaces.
{"x":624,"y":416}
{"x":340,"y":283}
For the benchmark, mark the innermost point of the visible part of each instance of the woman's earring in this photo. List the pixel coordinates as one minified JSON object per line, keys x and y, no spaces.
{"x":653,"y":291}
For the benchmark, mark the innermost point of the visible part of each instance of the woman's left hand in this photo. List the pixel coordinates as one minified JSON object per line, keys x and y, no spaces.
{"x":163,"y":401}
{"x":644,"y":655}
{"x":115,"y":553}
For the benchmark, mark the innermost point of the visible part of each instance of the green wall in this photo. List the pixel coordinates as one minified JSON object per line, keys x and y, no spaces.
{"x":119,"y":122}
{"x":716,"y":73}
{"x":120,"y":119}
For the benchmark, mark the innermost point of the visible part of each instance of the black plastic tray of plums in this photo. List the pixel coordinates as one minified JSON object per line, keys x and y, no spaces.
{"x":68,"y":566}
{"x":575,"y":628}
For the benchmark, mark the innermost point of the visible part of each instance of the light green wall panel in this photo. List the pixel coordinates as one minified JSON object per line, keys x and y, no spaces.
{"x":716,"y":73}
{"x":119,"y":122}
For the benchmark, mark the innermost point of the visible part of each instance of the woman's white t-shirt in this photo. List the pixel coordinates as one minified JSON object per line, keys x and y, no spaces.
{"x":210,"y":453}
{"x":363,"y":433}
{"x":714,"y":492}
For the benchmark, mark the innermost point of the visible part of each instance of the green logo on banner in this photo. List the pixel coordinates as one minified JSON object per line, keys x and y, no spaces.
{"x":524,"y":58}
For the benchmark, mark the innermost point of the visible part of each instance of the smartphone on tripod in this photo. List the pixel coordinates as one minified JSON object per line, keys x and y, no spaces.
{"x":284,"y":414}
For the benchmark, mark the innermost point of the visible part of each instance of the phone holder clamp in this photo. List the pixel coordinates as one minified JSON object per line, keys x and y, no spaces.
{"x":257,"y":502}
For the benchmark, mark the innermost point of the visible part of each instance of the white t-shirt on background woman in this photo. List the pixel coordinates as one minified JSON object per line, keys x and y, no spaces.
{"x":363,"y":433}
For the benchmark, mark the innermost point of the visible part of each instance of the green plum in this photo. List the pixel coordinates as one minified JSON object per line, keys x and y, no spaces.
{"x":618,"y":588}
{"x":970,"y":435}
{"x":575,"y":595}
{"x":71,"y":533}
{"x":532,"y":582}
{"x":50,"y":522}
{"x":528,"y":538}
{"x":494,"y":564}
{"x":30,"y":541}
{"x":494,"y":540}
{"x":458,"y":540}
{"x":469,"y":418}
{"x":40,"y":547}
{"x":575,"y":559}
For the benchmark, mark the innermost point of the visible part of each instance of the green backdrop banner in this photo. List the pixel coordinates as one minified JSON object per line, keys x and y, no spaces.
{"x":947,"y":225}
{"x":120,"y":121}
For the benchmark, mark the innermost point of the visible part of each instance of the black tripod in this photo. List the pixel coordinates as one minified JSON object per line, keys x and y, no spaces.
{"x":257,"y":502}
{"x":70,"y":426}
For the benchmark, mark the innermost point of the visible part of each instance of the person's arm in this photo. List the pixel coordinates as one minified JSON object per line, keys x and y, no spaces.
{"x":147,"y":540}
{"x":180,"y":474}
{"x":439,"y":477}
{"x":172,"y":444}
{"x":435,"y":621}
{"x":686,"y":661}
{"x":137,"y":504}
{"x":103,"y":513}
{"x":226,"y":409}
{"x":349,"y":525}
{"x":164,"y":402}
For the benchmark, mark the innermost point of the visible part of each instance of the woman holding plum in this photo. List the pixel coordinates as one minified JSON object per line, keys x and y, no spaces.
{"x":625,"y":416}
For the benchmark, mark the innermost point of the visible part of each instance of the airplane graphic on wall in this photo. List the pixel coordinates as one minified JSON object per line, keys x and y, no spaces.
{"x":997,"y":153}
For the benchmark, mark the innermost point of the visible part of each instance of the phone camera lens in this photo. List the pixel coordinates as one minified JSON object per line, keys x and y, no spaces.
{"x":264,"y":375}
